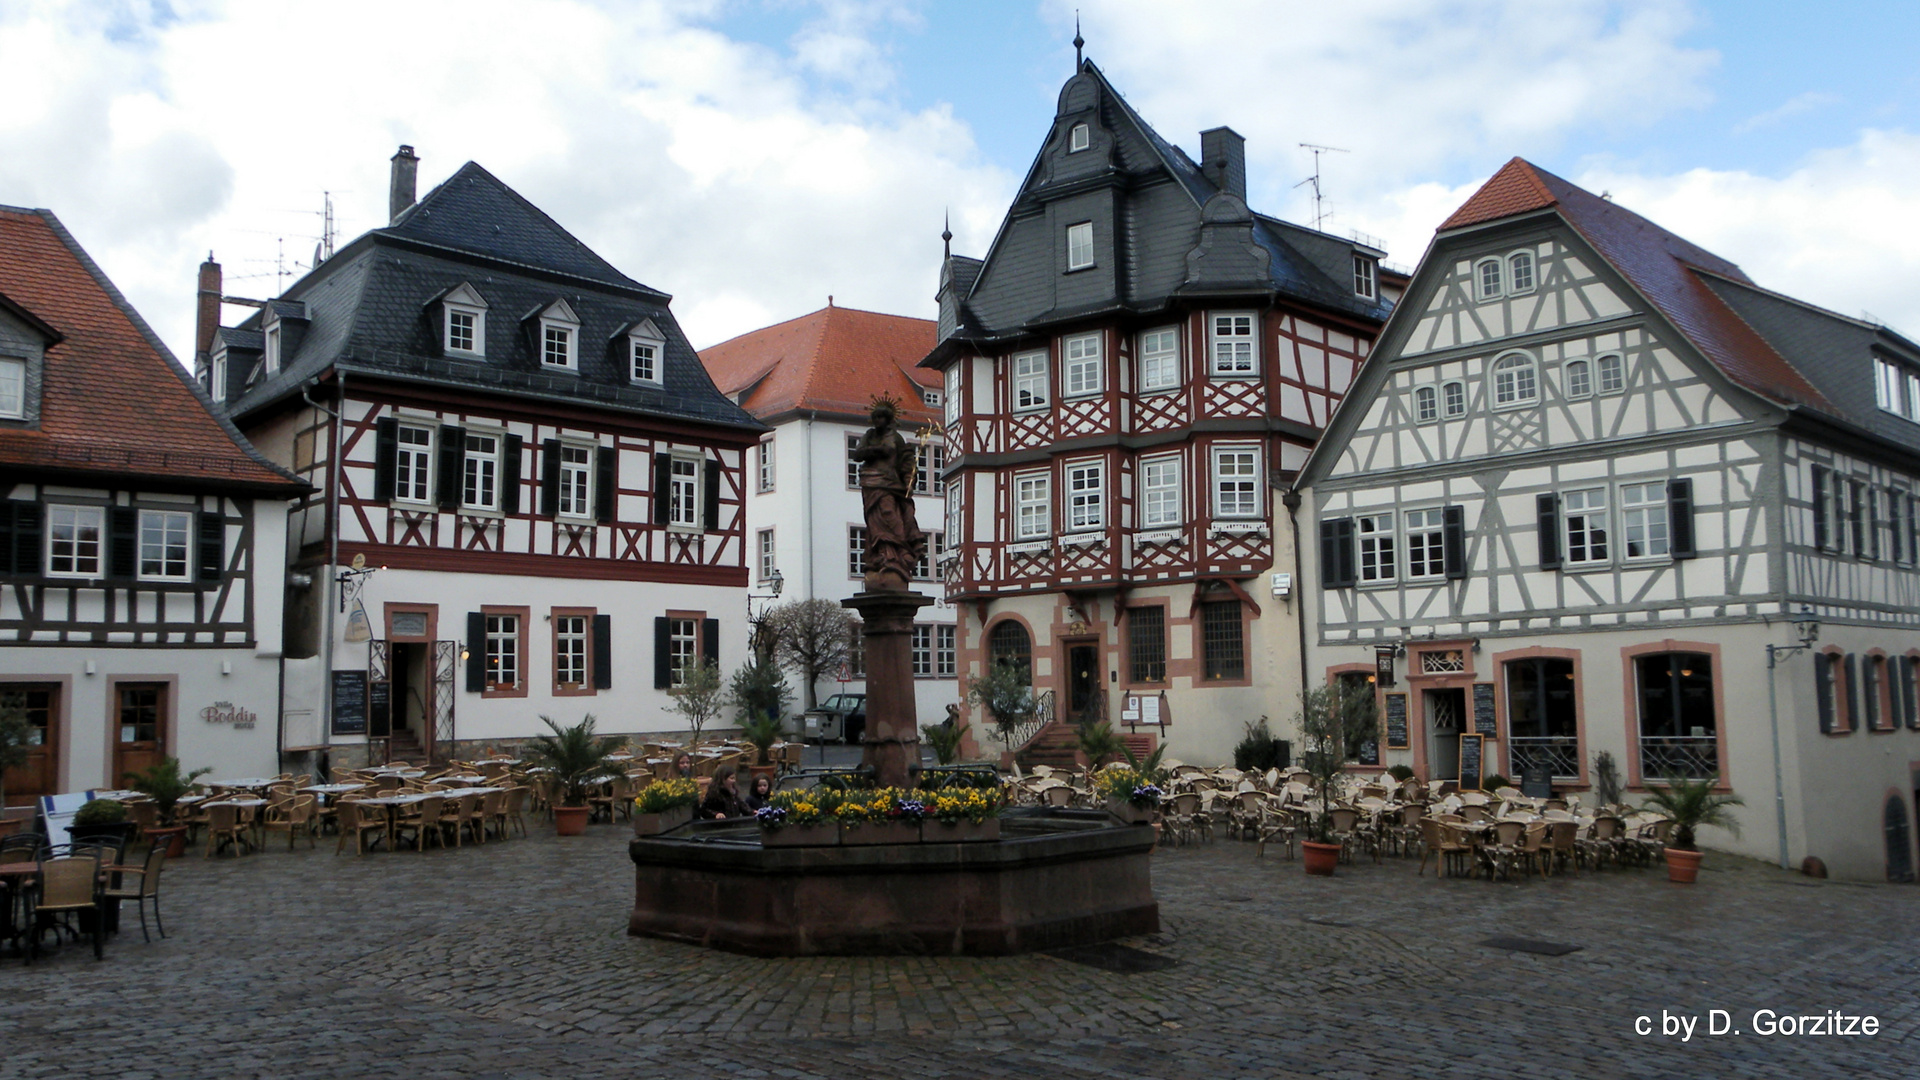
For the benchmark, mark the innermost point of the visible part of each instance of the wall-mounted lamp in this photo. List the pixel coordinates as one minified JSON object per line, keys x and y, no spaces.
{"x":226,"y":667}
{"x":91,"y":669}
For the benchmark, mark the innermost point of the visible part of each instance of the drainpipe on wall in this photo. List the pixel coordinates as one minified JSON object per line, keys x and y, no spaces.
{"x":1290,"y":499}
{"x":333,"y":552}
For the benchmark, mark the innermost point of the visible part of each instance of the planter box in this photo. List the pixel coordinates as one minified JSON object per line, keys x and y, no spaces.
{"x":880,"y":832}
{"x":819,"y":834}
{"x":1130,"y":813}
{"x":655,"y":824}
{"x":959,"y":832}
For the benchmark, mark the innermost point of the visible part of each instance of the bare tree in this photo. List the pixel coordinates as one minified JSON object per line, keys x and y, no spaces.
{"x":813,"y":638}
{"x":700,"y":695}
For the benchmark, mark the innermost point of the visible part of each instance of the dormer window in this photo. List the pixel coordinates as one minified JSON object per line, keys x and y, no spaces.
{"x":217,"y":376}
{"x":1078,"y":139}
{"x":930,"y":398}
{"x":645,"y":343}
{"x":559,"y":337}
{"x":464,"y":322}
{"x":13,"y":388}
{"x":1080,"y":246}
{"x":1896,"y":388}
{"x":1363,"y":282}
{"x":272,"y":349}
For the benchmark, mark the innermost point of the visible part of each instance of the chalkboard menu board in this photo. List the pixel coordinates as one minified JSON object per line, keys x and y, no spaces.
{"x":349,"y":703}
{"x":1397,"y":722}
{"x":1484,"y":721}
{"x":380,"y":709}
{"x":1471,"y":762}
{"x":1369,"y":752}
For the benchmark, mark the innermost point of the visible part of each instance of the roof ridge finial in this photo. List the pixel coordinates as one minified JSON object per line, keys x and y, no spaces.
{"x":946,"y":235}
{"x":1078,"y":43}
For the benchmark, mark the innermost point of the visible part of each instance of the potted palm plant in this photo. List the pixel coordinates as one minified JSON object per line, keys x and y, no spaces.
{"x":1690,"y":804}
{"x":165,"y":784}
{"x":1333,"y":722}
{"x":574,"y":757}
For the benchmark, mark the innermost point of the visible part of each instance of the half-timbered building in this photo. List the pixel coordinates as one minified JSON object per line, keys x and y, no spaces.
{"x":518,"y":445}
{"x":1593,"y":491}
{"x":1129,"y":372}
{"x":811,"y":380}
{"x":141,"y":539}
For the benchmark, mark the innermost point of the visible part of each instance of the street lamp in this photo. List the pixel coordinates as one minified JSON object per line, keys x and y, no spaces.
{"x":1806,"y":627}
{"x":774,"y":583}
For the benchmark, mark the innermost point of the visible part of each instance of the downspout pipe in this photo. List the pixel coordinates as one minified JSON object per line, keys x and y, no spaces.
{"x":1290,"y":499}
{"x":329,"y":584}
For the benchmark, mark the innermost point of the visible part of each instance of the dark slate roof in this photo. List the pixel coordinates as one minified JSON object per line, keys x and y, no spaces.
{"x":473,"y":211}
{"x":372,"y":311}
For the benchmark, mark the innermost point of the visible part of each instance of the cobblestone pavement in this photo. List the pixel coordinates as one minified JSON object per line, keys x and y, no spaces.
{"x":512,"y":961}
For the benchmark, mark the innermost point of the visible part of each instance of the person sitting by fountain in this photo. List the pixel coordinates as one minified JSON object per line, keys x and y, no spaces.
{"x":723,"y":796}
{"x":758,"y":792}
{"x":683,"y":766}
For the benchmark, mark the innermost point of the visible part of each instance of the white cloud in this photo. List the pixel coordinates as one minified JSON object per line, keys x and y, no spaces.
{"x":1793,"y":106}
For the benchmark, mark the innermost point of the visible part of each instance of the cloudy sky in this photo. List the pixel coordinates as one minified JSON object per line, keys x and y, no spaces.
{"x":753,"y":156}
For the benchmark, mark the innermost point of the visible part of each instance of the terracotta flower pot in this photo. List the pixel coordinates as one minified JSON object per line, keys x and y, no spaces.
{"x":570,"y":820}
{"x":175,"y":837}
{"x":655,"y":824}
{"x":1682,"y":866}
{"x":1320,"y":859}
{"x":963,"y":831}
{"x":815,"y":834}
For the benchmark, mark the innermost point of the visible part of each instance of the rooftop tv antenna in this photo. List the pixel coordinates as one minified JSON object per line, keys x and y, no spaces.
{"x":1319,"y":214}
{"x":328,"y":226}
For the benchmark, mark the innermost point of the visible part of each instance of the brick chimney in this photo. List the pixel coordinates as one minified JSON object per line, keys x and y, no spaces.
{"x":406,"y":169}
{"x":207,"y":315}
{"x":1223,"y":158}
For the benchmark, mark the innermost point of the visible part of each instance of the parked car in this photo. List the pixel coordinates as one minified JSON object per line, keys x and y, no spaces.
{"x":840,"y":718}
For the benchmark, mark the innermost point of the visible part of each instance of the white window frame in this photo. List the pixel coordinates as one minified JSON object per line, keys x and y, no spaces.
{"x":644,"y":356}
{"x":171,"y":523}
{"x":930,"y":463}
{"x":930,"y":398}
{"x":856,"y":551}
{"x":576,"y":481}
{"x":950,"y":404}
{"x":1086,"y":496}
{"x":945,"y":652}
{"x":270,"y":348}
{"x":1586,"y":534}
{"x":1236,"y":494}
{"x":1078,"y":138}
{"x":769,"y":560}
{"x":1365,"y":284}
{"x":956,"y":515}
{"x":503,"y":652}
{"x":1643,"y":510}
{"x":413,"y":464}
{"x":1485,"y":288}
{"x":452,"y":330}
{"x":1515,"y":260}
{"x":1079,"y":246}
{"x":1160,"y":492}
{"x":1453,"y":399}
{"x":1033,"y":506}
{"x":1577,"y":379}
{"x":684,"y":492}
{"x":1234,"y":353}
{"x":1426,"y":404}
{"x":480,"y":467}
{"x":1374,"y":544}
{"x":558,"y":317}
{"x":217,"y":375}
{"x":922,"y":650}
{"x":1081,"y":366}
{"x":683,"y":649}
{"x":1525,"y":374}
{"x":1029,"y":387}
{"x":13,"y":388}
{"x":1610,"y":374}
{"x":572,"y":650}
{"x":853,"y":466}
{"x":927,"y":568}
{"x":1159,"y":351}
{"x":763,"y":475}
{"x":1425,"y":532}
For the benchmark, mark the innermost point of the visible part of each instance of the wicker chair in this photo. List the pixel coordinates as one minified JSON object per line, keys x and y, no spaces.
{"x":298,"y":816}
{"x":69,"y":886}
{"x":359,"y":822}
{"x":223,"y":823}
{"x":141,"y":884}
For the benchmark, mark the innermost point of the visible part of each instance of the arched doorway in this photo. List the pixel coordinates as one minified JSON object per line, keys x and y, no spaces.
{"x":1899,"y":840}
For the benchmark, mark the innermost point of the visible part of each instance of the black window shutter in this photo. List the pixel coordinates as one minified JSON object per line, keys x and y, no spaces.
{"x":662,"y":654}
{"x":213,"y":546}
{"x":386,"y":456}
{"x":712,"y":515}
{"x":476,"y":652}
{"x":1680,"y":518}
{"x":1853,"y":692}
{"x":550,"y":478}
{"x":662,"y":489}
{"x":606,"y":483}
{"x":29,"y":519}
{"x":510,"y":475}
{"x":453,"y":453}
{"x":710,"y":641}
{"x":1869,"y":499}
{"x":1336,"y":553}
{"x":1819,"y":507}
{"x":1453,"y":541}
{"x":603,"y":652}
{"x":123,"y":542}
{"x":1547,"y":511}
{"x":7,"y":511}
{"x":1823,"y":689}
{"x":1856,"y":519}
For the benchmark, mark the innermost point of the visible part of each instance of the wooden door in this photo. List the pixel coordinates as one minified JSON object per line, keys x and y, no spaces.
{"x":140,"y":735}
{"x":1083,"y":683}
{"x":39,"y":703}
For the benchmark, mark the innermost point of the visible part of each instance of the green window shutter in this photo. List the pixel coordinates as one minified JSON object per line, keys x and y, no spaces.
{"x":510,"y":475}
{"x":476,"y":652}
{"x":603,"y":652}
{"x":213,"y":547}
{"x":386,"y":457}
{"x":550,"y":478}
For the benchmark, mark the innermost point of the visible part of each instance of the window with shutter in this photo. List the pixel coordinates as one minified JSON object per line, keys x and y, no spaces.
{"x":29,"y":518}
{"x":605,"y":480}
{"x":550,"y":478}
{"x":1456,"y":542}
{"x":213,"y":547}
{"x":386,"y":454}
{"x":1337,"y":560}
{"x":1547,"y":516}
{"x":123,"y":541}
{"x":603,"y":652}
{"x":1819,"y":500}
{"x":453,"y":454}
{"x":1680,"y":518}
{"x":711,"y":516}
{"x":1823,"y":689}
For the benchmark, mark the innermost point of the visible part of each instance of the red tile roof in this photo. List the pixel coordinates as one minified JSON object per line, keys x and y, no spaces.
{"x":832,"y":360}
{"x":1661,"y":266}
{"x":112,"y":400}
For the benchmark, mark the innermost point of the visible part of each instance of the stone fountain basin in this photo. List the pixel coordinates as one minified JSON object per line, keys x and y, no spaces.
{"x":1056,"y":878}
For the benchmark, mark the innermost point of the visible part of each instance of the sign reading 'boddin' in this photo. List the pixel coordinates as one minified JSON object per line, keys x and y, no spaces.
{"x":1054,"y":878}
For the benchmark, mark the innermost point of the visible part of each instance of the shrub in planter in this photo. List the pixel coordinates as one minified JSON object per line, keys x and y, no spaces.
{"x":1400,"y":773}
{"x":164,"y":783}
{"x":663,"y":805}
{"x":1259,"y":751}
{"x":1494,"y":782}
{"x":945,"y":740}
{"x":100,"y":812}
{"x":961,"y":815}
{"x":1332,"y":721}
{"x":1131,"y":794}
{"x":1691,"y":804}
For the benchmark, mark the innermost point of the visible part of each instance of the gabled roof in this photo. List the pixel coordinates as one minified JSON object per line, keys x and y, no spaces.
{"x":113,"y":399}
{"x":833,"y":361}
{"x":1662,"y":267}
